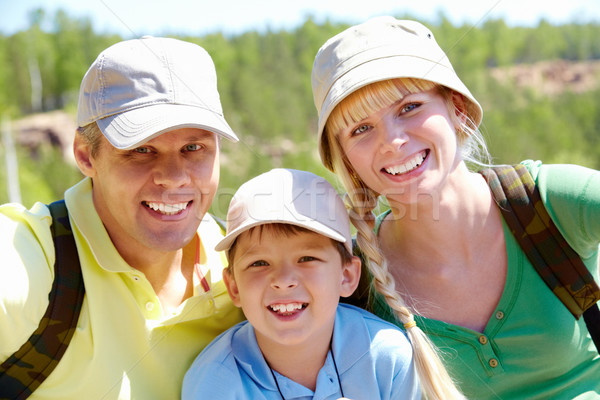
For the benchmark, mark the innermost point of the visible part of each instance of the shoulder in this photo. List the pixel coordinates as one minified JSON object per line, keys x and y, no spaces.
{"x":219,"y":350}
{"x":26,"y":241}
{"x":382,"y":334}
{"x":571,"y":194}
{"x":27,"y":251}
{"x":561,"y":176}
{"x":215,"y":370}
{"x":380,"y":356}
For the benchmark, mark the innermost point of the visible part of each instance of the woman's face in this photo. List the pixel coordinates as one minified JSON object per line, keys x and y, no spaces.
{"x":407,"y":150}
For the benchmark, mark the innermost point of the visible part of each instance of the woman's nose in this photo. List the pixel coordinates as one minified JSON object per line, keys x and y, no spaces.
{"x":393,"y":134}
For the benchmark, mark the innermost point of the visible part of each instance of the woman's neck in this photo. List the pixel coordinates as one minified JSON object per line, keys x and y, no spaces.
{"x":446,"y":229}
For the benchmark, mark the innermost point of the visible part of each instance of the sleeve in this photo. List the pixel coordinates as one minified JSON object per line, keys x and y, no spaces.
{"x":26,"y":273}
{"x":571,"y":194}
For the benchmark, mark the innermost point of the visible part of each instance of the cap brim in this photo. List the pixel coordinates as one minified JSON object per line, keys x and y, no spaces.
{"x":311,"y":225}
{"x":131,"y":128}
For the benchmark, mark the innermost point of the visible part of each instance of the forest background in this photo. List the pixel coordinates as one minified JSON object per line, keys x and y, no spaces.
{"x":539,"y":87}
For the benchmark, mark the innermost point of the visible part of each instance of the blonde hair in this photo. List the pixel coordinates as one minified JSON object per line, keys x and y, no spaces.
{"x":435,"y":380}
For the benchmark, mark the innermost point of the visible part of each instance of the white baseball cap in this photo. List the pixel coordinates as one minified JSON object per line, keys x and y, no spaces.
{"x":138,"y":89}
{"x":379,"y":49}
{"x":288,"y":196}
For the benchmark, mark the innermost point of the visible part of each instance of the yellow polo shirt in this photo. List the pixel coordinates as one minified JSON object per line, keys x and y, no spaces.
{"x":124,"y":347}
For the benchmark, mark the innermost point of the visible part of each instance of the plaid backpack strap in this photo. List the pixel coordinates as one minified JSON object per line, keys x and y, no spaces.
{"x":556,"y":262}
{"x":27,"y":368}
{"x":553,"y":258}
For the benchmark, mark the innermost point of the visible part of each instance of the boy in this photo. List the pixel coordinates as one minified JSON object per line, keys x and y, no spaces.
{"x":290,"y":259}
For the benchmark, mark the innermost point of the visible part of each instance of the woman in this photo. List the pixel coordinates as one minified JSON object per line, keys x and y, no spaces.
{"x":396,"y":121}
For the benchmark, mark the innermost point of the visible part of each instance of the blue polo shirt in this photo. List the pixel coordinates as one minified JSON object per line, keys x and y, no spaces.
{"x":374,"y":360}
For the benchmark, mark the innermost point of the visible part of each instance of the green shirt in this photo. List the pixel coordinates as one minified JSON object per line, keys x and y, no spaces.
{"x":125,"y":346}
{"x":532,"y":347}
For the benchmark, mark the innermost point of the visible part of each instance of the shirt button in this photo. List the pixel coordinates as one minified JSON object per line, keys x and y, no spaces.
{"x":499,"y":315}
{"x":149,"y":306}
{"x":483,"y":339}
{"x":493,"y":363}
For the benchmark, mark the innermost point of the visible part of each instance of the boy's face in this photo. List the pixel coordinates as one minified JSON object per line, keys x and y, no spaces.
{"x":289,"y":285}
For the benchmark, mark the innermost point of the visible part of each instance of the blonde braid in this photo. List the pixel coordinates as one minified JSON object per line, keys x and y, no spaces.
{"x":435,"y":381}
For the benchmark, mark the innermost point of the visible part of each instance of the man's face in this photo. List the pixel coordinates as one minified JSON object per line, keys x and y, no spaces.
{"x":153,"y":197}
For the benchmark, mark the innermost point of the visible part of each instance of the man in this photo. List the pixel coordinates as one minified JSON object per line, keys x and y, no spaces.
{"x":150,"y":123}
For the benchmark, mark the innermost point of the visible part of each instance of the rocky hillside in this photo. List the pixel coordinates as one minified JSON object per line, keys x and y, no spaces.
{"x":552,"y":77}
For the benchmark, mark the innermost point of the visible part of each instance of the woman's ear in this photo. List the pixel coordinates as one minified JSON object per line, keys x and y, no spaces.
{"x":460,"y":107}
{"x":83,"y":155}
{"x":232,"y":287}
{"x":350,"y":276}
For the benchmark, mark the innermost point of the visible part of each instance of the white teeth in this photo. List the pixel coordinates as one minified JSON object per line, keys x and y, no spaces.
{"x":286,"y":307}
{"x":167,"y":209}
{"x":408,"y":166}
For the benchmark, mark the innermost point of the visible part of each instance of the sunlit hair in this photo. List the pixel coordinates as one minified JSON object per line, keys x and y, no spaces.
{"x":92,"y":135}
{"x":361,"y":200}
{"x":287,"y":230}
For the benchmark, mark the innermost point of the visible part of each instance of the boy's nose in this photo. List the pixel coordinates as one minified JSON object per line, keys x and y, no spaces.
{"x":284,"y":278}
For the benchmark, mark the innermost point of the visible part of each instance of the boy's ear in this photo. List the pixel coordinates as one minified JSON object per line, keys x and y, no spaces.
{"x":350,"y":276}
{"x":83,"y":155}
{"x":232,"y":288}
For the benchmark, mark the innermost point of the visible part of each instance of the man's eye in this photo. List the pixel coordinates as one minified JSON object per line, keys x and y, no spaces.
{"x":142,"y":150}
{"x":192,"y":147}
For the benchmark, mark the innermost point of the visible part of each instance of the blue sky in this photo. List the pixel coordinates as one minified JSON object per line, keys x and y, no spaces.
{"x":132,"y":18}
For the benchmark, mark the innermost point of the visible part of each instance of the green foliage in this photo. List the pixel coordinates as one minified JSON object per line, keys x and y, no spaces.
{"x":43,"y":176}
{"x":264,"y":82}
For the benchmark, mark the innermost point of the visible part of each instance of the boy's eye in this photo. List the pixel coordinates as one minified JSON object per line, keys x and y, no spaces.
{"x":307,"y":259}
{"x":259,"y":263}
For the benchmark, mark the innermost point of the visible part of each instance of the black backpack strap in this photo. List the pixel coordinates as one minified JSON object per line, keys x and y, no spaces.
{"x":27,"y":368}
{"x":552,"y":257}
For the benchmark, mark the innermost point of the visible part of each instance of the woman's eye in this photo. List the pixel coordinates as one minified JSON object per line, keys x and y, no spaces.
{"x":360,"y":129}
{"x":409,"y":107}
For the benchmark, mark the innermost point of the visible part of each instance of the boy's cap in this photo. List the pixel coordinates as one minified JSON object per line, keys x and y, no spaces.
{"x":288,"y":196}
{"x":379,"y":49}
{"x":138,"y":89}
